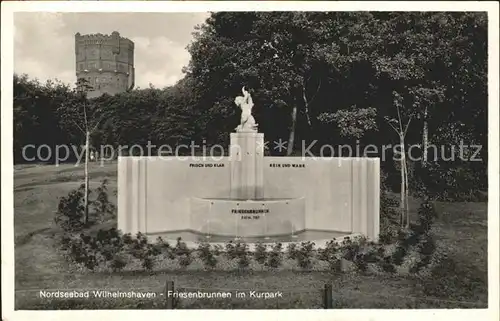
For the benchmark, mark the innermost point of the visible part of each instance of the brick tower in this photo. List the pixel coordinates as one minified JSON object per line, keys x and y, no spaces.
{"x":106,"y":62}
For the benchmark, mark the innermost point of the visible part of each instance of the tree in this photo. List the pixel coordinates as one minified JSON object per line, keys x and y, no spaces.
{"x":400,"y":126}
{"x":78,"y":112}
{"x":35,"y":119}
{"x":271,"y":53}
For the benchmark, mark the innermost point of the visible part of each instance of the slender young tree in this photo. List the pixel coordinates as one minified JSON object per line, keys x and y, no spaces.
{"x":400,"y":126}
{"x":79,"y":113}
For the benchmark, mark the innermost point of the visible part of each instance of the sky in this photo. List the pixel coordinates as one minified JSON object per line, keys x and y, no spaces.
{"x":44,"y":43}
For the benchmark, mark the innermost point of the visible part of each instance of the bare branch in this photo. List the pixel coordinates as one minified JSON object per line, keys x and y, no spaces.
{"x":400,"y":120}
{"x":95,"y":126}
{"x":407,"y":125}
{"x":393,"y":127}
{"x":78,"y":127}
{"x":85,"y":114}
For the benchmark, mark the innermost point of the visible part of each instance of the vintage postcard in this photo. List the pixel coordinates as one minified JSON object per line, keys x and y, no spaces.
{"x":320,"y":160}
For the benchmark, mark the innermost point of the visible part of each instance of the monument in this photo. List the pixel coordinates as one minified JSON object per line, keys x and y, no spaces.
{"x":247,"y":195}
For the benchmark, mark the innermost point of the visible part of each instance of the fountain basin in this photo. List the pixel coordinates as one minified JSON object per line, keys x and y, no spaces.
{"x":247,"y":218}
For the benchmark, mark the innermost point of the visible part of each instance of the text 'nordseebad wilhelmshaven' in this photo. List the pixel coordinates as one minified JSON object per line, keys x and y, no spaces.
{"x":103,"y":294}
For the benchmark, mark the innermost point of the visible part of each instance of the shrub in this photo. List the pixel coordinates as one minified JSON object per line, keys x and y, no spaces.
{"x":91,"y":261}
{"x":149,"y":258}
{"x":423,"y":239}
{"x":217,"y":250}
{"x":83,"y":251}
{"x":70,"y":210}
{"x":360,"y":252}
{"x":243,"y":262}
{"x":75,"y":251}
{"x":183,"y":253}
{"x":118,"y":262}
{"x":240,"y":249}
{"x":426,"y":249}
{"x":185,"y":260}
{"x":386,"y":264}
{"x":389,"y":219}
{"x":110,"y":246}
{"x":147,"y":263}
{"x":304,"y":255}
{"x":360,"y":262}
{"x":260,"y":253}
{"x":373,"y":253}
{"x":292,"y":251}
{"x":426,"y":217}
{"x":165,"y":248}
{"x":349,"y":249}
{"x":230,"y":250}
{"x":109,"y":243}
{"x":102,"y":206}
{"x":127,"y":239}
{"x":405,"y":240}
{"x":325,"y":253}
{"x":399,"y":254}
{"x":206,"y":255}
{"x":65,"y":241}
{"x":181,"y":248}
{"x":274,"y":258}
{"x":330,"y":254}
{"x":138,"y":246}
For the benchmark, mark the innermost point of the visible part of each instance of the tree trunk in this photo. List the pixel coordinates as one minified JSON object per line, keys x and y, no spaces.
{"x":407,"y":192}
{"x":425,"y":139}
{"x":306,"y":106}
{"x":291,"y":139}
{"x":86,"y":204}
{"x":402,"y":204}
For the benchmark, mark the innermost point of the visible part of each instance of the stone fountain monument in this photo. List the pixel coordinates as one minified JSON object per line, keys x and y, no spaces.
{"x":246,"y":194}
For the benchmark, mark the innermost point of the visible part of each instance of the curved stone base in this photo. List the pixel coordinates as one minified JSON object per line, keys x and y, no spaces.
{"x":192,"y":239}
{"x":247,"y":218}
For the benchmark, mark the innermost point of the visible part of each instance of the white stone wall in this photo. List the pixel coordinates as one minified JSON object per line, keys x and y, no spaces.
{"x":340,"y":194}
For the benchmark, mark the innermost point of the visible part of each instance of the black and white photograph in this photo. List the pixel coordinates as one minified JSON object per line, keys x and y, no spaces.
{"x":222,"y":156}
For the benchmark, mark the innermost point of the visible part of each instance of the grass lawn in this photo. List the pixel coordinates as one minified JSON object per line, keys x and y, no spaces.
{"x":461,"y":229}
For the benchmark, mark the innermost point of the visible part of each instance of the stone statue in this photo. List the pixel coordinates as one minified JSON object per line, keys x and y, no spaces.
{"x":247,"y":121}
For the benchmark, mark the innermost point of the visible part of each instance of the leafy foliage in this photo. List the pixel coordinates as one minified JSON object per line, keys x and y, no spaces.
{"x":331,"y":255}
{"x":275,"y":257}
{"x":102,"y":206}
{"x":351,"y":122}
{"x":207,"y":255}
{"x":183,"y":253}
{"x":389,"y":218}
{"x":260,"y":253}
{"x":70,"y":211}
{"x":305,"y":254}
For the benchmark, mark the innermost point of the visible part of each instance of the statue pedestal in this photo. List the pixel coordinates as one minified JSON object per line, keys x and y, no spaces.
{"x":247,"y":161}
